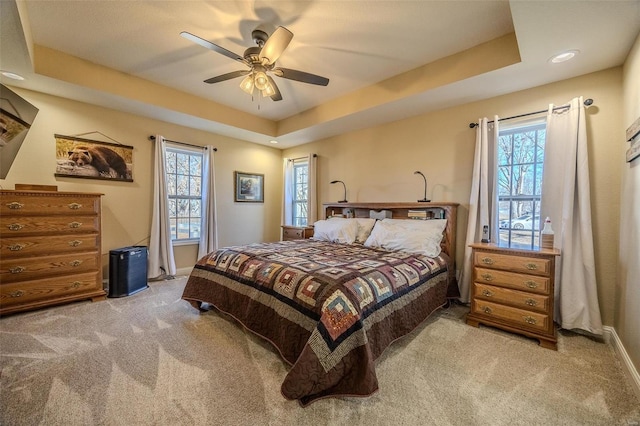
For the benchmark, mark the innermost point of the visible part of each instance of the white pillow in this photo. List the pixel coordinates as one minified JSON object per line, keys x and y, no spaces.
{"x":335,"y":231}
{"x":364,"y":226}
{"x":413,"y":236}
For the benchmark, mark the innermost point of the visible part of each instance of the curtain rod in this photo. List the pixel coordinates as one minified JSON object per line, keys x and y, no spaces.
{"x":301,"y":158}
{"x":587,"y":102}
{"x":153,"y":138}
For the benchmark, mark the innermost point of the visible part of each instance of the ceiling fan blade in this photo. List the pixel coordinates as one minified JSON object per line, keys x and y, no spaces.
{"x":227,"y":76}
{"x":205,"y":43}
{"x":276,"y":96}
{"x":276,"y":44}
{"x":302,"y":76}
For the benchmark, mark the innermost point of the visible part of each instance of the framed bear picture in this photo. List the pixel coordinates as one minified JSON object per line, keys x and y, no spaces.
{"x":90,"y":159}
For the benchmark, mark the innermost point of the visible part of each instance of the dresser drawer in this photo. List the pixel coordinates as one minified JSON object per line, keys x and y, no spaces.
{"x":518,"y":317}
{"x":25,"y":225}
{"x":47,"y":245}
{"x":13,"y":270}
{"x":48,"y":289}
{"x":531,"y":283}
{"x":518,"y":299}
{"x":49,"y":204}
{"x":529,"y":265}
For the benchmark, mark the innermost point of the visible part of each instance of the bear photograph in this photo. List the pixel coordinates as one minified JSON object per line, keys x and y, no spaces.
{"x":84,"y":158}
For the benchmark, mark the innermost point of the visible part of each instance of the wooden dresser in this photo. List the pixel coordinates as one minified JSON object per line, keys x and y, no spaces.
{"x":512,"y":289}
{"x":50,"y":249}
{"x":296,"y":232}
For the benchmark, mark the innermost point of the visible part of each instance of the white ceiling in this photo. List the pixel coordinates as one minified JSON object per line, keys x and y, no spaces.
{"x":356,"y":44}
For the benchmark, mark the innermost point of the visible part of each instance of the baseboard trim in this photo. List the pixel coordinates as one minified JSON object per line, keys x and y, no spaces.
{"x":612,"y":338}
{"x":184,"y":271}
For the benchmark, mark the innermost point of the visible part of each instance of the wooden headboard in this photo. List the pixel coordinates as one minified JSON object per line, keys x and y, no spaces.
{"x":401,"y":211}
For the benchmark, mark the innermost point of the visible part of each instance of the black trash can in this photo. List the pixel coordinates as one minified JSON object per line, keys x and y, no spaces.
{"x":127,"y":271}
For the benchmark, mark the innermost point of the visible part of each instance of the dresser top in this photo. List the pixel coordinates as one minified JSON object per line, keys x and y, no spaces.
{"x":501,"y":249}
{"x":14,"y":192}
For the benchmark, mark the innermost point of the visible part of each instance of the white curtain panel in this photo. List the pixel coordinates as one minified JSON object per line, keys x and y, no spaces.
{"x":482,"y":208}
{"x":161,"y":261}
{"x":566,"y":200}
{"x":312,"y":194}
{"x":209,"y":228}
{"x":287,"y":199}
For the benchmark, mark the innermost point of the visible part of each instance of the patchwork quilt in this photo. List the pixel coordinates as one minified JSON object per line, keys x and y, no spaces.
{"x":329,"y":309}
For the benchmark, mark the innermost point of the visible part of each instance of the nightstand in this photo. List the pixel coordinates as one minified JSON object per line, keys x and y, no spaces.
{"x":512,"y":289}
{"x":296,"y":232}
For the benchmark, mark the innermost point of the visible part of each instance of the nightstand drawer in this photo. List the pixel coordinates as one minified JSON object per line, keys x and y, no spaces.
{"x":515,"y":316}
{"x":518,"y":299}
{"x":529,"y":265}
{"x":292,"y":233}
{"x":531,"y":283}
{"x":296,"y":232}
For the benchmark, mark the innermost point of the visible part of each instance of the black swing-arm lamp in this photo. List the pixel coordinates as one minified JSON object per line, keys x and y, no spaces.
{"x":424,"y":200}
{"x":344,"y":200}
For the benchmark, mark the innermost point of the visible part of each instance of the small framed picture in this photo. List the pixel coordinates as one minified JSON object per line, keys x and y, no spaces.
{"x":249,"y":187}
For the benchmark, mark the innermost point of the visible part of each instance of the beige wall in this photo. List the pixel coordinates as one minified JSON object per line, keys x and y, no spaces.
{"x":627,"y":320}
{"x":377,"y":163}
{"x":126,"y":207}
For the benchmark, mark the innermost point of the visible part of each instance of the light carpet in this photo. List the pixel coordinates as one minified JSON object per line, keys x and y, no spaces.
{"x":151,"y":359}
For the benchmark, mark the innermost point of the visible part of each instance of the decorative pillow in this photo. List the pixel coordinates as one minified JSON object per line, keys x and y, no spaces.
{"x":413,"y":236}
{"x":335,"y":230}
{"x":364,"y":227}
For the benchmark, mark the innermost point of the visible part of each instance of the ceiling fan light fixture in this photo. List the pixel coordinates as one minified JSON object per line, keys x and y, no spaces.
{"x":260,"y":80}
{"x":268,"y":90}
{"x":247,"y":84}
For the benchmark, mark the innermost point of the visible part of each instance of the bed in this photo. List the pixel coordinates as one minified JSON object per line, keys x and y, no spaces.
{"x":332,"y":304}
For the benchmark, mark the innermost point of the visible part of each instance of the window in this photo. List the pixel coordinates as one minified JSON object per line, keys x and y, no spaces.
{"x":184,"y":182}
{"x":520,"y":165}
{"x":300,"y":192}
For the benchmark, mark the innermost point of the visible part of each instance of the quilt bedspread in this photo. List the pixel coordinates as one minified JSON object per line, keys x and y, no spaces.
{"x":329,"y":309}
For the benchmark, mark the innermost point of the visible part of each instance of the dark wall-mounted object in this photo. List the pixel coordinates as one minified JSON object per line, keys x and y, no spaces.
{"x":16,"y":118}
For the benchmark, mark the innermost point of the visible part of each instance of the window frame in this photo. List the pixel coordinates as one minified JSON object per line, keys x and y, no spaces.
{"x":536,"y":162}
{"x":181,"y":149}
{"x":295,"y":201}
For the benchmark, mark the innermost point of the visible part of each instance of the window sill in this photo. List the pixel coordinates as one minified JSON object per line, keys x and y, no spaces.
{"x":185,"y":242}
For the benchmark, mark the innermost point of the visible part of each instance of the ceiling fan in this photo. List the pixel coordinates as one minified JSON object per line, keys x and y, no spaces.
{"x":261,"y":60}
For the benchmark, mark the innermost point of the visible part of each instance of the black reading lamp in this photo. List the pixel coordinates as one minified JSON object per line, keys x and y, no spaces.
{"x":345,"y":190}
{"x":424,"y":200}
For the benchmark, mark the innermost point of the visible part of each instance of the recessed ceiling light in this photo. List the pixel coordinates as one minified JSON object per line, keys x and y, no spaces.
{"x":12,"y":75}
{"x":564,"y":56}
{"x":273,"y":142}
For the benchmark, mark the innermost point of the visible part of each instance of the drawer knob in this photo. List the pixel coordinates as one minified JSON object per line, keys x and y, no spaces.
{"x":75,"y":263}
{"x":531,"y":266}
{"x":487,"y":261}
{"x":531,"y":302}
{"x":76,"y":284}
{"x":17,"y":269}
{"x":18,"y":293}
{"x":529,"y":320}
{"x":15,"y":205}
{"x":75,"y":243}
{"x":487,"y":293}
{"x":487,"y":277}
{"x":15,"y":227}
{"x":16,"y":247}
{"x":74,"y":206}
{"x":75,"y":225}
{"x":487,"y":310}
{"x":531,"y":284}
